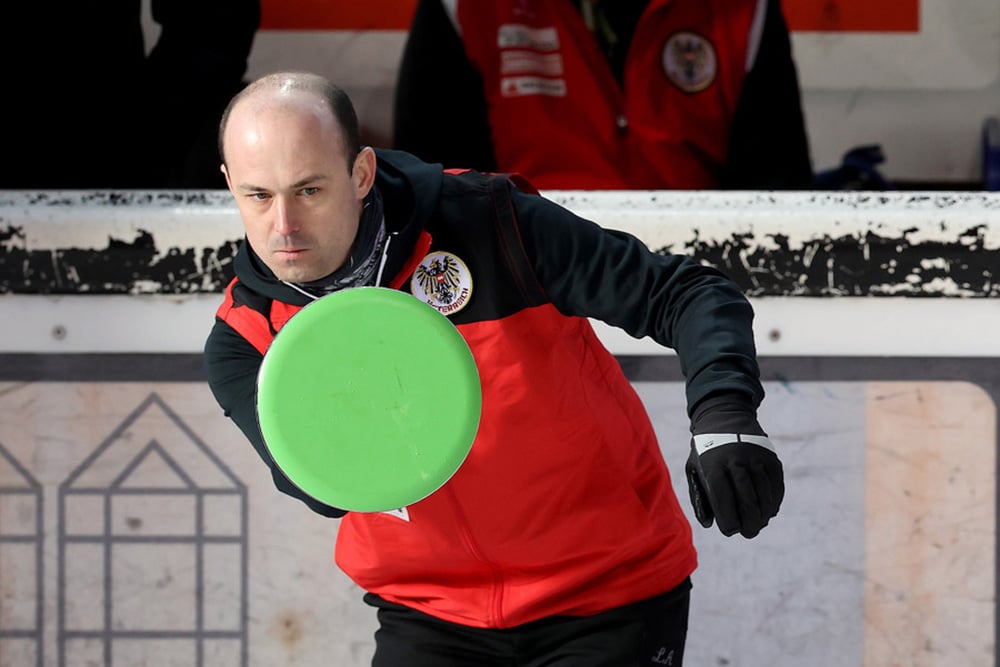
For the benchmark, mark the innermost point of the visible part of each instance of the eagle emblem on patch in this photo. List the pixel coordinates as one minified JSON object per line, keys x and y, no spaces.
{"x":443,"y":281}
{"x":689,"y":61}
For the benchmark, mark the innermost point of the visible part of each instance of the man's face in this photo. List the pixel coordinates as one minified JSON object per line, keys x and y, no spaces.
{"x":299,"y":198}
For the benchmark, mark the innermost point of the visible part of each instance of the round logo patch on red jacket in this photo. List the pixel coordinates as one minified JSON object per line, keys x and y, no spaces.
{"x":442,"y":280}
{"x":689,"y":61}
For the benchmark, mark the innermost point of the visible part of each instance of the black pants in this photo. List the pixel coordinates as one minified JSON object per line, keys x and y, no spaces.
{"x":649,"y":633}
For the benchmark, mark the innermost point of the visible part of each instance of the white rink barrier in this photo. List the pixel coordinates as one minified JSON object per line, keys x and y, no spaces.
{"x":137,"y":526}
{"x":939,"y":248}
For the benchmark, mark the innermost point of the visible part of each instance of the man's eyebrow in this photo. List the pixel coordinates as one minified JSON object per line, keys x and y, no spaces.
{"x":302,"y":182}
{"x":311,"y":178}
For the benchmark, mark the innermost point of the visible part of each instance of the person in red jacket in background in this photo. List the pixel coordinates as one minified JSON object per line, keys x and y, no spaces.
{"x":592,"y":94}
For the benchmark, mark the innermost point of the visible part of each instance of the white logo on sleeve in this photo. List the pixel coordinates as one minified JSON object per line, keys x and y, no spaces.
{"x":707,"y":441}
{"x":401,"y":513}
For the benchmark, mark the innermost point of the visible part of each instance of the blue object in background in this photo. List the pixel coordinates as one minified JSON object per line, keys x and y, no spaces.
{"x":857,"y":171}
{"x":991,"y":154}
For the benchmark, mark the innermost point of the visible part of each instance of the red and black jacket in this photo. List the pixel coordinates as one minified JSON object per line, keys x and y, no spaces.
{"x":564,"y":504}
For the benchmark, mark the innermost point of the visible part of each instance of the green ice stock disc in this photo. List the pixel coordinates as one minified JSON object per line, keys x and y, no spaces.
{"x":368,"y":399}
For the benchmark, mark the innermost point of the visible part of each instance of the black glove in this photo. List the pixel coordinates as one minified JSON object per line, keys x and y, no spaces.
{"x":734,"y":476}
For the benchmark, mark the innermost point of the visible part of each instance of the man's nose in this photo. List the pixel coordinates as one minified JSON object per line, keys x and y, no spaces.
{"x":284,"y":219}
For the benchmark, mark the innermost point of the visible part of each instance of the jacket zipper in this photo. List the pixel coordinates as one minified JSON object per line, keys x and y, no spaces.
{"x":496,"y":603}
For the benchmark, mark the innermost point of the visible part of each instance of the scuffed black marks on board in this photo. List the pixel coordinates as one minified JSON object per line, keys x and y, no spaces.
{"x":848,"y":265}
{"x":869,"y":265}
{"x":125,"y":197}
{"x":122,"y":267}
{"x":772,"y":244}
{"x":11,"y":235}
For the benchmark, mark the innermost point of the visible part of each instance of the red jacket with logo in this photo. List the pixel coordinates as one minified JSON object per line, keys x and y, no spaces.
{"x":530,"y":84}
{"x":564,"y":504}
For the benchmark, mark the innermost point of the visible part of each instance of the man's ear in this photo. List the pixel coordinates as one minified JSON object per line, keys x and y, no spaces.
{"x":363,"y":172}
{"x":225,"y":172}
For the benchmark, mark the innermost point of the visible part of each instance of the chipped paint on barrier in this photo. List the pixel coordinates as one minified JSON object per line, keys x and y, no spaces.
{"x":938,"y":244}
{"x":135,"y":242}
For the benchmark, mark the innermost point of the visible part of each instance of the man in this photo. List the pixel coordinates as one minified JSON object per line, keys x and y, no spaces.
{"x":560,"y":540}
{"x":606,"y":94}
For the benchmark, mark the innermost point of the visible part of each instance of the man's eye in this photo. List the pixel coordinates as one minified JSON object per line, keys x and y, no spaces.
{"x":258,"y":196}
{"x":309,"y":191}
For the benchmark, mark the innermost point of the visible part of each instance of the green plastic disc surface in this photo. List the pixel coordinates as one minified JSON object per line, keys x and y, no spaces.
{"x":368,"y":399}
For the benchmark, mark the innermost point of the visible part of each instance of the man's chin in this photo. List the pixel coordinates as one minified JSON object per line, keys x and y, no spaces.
{"x":293,"y":271}
{"x":295,"y":274}
{"x":297,"y":277}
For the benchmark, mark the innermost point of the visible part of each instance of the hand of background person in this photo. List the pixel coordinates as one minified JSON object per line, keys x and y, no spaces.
{"x":734,"y":475}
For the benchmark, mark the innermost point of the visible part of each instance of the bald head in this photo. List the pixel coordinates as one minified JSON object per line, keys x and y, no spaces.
{"x":296,"y":90}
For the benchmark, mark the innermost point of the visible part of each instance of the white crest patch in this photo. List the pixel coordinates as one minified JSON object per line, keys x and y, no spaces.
{"x":442,"y":280}
{"x":689,"y":61}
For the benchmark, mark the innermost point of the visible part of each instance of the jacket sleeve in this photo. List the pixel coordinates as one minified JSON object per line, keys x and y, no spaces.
{"x":439,"y":110}
{"x":231,"y":365}
{"x":768,"y":145}
{"x":612,"y":276}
